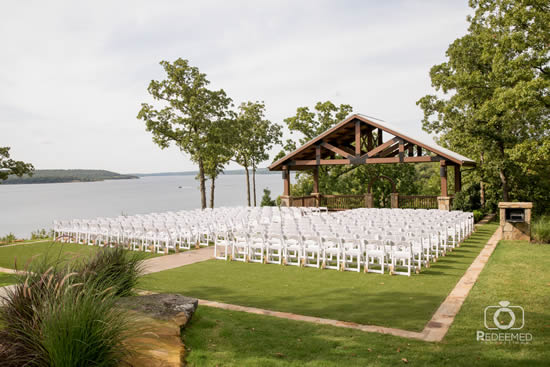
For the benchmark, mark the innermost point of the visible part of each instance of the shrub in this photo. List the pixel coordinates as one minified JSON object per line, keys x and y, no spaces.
{"x":41,"y":234}
{"x":468,"y":199}
{"x":478,"y":215}
{"x":541,"y":229}
{"x":84,"y":328}
{"x":114,"y":268}
{"x":266,"y":199}
{"x":62,"y":316}
{"x":7,"y":239}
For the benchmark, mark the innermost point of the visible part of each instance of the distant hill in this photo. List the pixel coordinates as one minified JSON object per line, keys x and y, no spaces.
{"x":66,"y":175}
{"x":259,"y":171}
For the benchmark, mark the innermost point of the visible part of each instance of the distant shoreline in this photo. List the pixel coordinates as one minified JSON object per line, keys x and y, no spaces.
{"x":66,"y":176}
{"x":84,"y":175}
{"x":259,"y":171}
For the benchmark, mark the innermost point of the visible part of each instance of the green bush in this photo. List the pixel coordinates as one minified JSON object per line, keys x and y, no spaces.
{"x":83,"y":328}
{"x":41,"y":234}
{"x":7,"y":239}
{"x":266,"y":199}
{"x":468,"y":199}
{"x":114,"y":268}
{"x":478,"y":215}
{"x":62,"y":316}
{"x":541,"y":229}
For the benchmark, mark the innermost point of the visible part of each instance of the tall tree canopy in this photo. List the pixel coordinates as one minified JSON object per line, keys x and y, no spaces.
{"x":9,"y":166}
{"x":186,"y":113}
{"x":218,"y":152}
{"x":254,"y":137}
{"x":493,"y":102}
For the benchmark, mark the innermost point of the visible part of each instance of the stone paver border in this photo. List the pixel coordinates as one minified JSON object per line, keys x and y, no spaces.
{"x":26,"y":243}
{"x":434,"y":331}
{"x":166,"y":262}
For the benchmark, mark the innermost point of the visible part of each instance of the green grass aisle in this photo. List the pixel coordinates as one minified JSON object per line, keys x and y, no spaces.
{"x":384,"y":300}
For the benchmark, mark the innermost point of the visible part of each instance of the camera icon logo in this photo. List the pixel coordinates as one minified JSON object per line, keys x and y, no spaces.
{"x":495,"y":316}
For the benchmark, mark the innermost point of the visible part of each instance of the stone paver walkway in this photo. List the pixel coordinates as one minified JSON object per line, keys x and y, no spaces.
{"x":441,"y":321}
{"x":315,"y":320}
{"x":26,"y":243}
{"x":434,"y":331}
{"x":166,"y":262}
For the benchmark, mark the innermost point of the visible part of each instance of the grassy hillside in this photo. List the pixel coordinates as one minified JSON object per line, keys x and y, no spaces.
{"x":68,"y":175}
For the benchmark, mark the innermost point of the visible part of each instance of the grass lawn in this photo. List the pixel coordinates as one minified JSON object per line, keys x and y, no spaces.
{"x":517,"y":272}
{"x":6,"y":279}
{"x":25,"y":252}
{"x":394,"y":301}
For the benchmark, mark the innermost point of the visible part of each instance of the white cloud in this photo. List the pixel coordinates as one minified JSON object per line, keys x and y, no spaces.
{"x":73,"y":74}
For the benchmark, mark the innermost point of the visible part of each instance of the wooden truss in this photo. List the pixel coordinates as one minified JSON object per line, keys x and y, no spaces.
{"x":360,"y":140}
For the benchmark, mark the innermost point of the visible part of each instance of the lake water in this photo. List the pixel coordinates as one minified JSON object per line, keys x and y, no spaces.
{"x":25,"y":208}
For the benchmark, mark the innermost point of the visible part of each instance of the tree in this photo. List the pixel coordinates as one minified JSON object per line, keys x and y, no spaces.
{"x":264,"y":135}
{"x":309,"y":125}
{"x":266,"y":199}
{"x":218,"y":152}
{"x":10,"y":166}
{"x":494,"y":102}
{"x":187,"y":113}
{"x":254,"y":137}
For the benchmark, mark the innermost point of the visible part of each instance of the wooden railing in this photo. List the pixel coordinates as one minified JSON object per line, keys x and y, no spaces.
{"x":339,"y":202}
{"x":418,"y":201}
{"x":303,"y":201}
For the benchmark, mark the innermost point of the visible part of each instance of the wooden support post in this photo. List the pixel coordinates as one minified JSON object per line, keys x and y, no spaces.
{"x":411,"y":150}
{"x":443,"y":175}
{"x":380,"y":139}
{"x":318,"y":155}
{"x":401,"y":150}
{"x":316,"y":180}
{"x":357,"y":138}
{"x":418,"y":151}
{"x":286,"y":178}
{"x":458,"y":179}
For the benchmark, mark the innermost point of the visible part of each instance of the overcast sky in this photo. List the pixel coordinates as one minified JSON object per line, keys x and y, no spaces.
{"x":73,"y":74}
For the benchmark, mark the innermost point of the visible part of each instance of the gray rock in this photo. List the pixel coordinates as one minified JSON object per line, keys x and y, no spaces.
{"x":163,"y":306}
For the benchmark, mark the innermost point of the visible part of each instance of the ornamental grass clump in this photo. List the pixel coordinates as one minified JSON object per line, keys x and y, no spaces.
{"x":541,"y":229}
{"x":115,"y":268}
{"x":59,"y":315}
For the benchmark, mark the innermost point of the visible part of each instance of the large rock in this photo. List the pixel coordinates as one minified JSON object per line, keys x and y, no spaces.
{"x":163,"y":306}
{"x":161,"y":318}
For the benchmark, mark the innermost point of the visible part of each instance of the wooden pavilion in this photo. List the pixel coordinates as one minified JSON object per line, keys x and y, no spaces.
{"x":360,"y":139}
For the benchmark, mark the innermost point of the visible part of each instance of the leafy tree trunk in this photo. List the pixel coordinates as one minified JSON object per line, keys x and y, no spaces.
{"x":247,"y":185}
{"x":481,"y":184}
{"x":254,"y":183}
{"x":502,"y":174}
{"x":504,"y":181}
{"x":482,"y":193}
{"x":202,"y":185}
{"x":212,"y":187}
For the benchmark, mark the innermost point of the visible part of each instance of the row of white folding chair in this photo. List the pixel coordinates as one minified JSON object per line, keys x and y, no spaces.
{"x":328,"y":252}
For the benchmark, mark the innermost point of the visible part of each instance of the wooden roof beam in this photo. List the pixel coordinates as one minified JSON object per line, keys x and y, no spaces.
{"x":343,"y":151}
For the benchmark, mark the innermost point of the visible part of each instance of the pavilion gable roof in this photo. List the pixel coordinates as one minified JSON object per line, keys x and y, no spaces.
{"x":339,"y":140}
